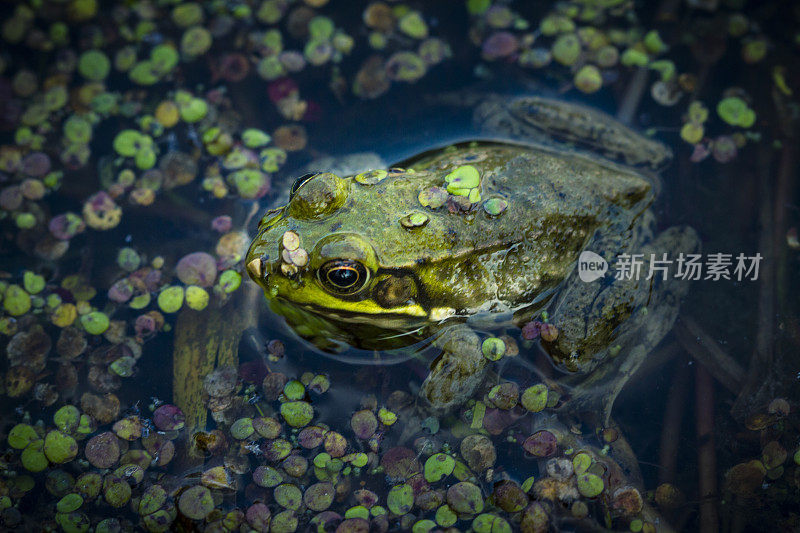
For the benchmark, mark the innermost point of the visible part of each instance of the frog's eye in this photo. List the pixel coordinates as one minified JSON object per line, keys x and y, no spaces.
{"x":343,"y":276}
{"x":299,"y":183}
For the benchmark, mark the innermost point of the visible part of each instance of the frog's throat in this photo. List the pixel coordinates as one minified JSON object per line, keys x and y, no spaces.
{"x":332,"y":333}
{"x":403,"y":321}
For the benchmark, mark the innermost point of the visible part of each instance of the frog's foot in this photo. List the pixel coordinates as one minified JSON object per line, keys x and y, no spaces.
{"x":456,"y":373}
{"x":627,"y":319}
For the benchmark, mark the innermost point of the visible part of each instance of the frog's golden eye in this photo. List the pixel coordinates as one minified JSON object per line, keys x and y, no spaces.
{"x":343,"y":276}
{"x":299,"y":183}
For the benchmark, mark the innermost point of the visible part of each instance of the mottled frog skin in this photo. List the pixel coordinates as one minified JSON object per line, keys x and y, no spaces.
{"x":373,"y":261}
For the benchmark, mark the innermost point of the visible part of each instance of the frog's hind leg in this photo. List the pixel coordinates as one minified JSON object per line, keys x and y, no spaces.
{"x":545,"y":120}
{"x":627,"y":319}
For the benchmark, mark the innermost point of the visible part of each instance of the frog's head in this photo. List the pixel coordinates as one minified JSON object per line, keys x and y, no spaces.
{"x":323,"y":270}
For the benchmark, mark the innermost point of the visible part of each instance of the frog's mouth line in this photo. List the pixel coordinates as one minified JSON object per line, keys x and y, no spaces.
{"x":403,"y":324}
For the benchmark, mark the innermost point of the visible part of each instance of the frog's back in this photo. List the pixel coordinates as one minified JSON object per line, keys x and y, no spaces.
{"x":468,"y":255}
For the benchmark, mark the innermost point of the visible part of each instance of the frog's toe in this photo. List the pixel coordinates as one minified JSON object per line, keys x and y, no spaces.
{"x":456,"y":373}
{"x":451,"y":383}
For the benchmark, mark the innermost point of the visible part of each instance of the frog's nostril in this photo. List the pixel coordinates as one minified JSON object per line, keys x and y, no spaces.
{"x":256,"y":268}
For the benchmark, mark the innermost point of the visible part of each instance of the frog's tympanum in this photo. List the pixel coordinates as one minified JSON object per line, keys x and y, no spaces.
{"x":469,"y":239}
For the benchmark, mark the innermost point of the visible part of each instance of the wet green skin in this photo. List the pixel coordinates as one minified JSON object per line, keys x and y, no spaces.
{"x":464,"y":269}
{"x":460,"y":264}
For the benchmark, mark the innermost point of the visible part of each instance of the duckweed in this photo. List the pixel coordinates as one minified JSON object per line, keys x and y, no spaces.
{"x":588,"y":79}
{"x":322,"y":459}
{"x":294,"y":389}
{"x":735,"y":112}
{"x":438,"y":466}
{"x":33,"y":283}
{"x":59,"y":447}
{"x":255,"y":138}
{"x":229,"y":281}
{"x":490,"y":523}
{"x":423,"y":526}
{"x":197,"y":298}
{"x":266,"y":476}
{"x":541,"y":444}
{"x":21,"y":436}
{"x":335,"y":444}
{"x":195,"y":42}
{"x":170,"y":300}
{"x":196,"y":502}
{"x":67,"y":418}
{"x":258,"y":516}
{"x":590,"y":485}
{"x":94,"y":65}
{"x":534,"y":398}
{"x":581,"y":462}
{"x":493,"y":348}
{"x":504,"y":396}
{"x":198,"y":268}
{"x":285,"y":521}
{"x":16,"y":302}
{"x":413,"y":25}
{"x":288,"y":496}
{"x":386,"y":417}
{"x":143,"y":73}
{"x":653,"y":43}
{"x":74,"y":522}
{"x":33,"y":457}
{"x":462,"y":180}
{"x":242,"y":428}
{"x":567,"y":49}
{"x":692,"y":132}
{"x":494,"y":206}
{"x":163,"y":58}
{"x":359,"y":460}
{"x":297,"y":413}
{"x":371,"y":177}
{"x":69,"y":503}
{"x":193,"y":110}
{"x":400,"y":499}
{"x":364,"y":424}
{"x":95,"y":322}
{"x":465,"y":498}
{"x":445,"y":516}
{"x":63,"y":107}
{"x":102,"y":451}
{"x":414,"y":220}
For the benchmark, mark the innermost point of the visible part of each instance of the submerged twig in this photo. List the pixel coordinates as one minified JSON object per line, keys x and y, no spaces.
{"x":625,"y":456}
{"x":706,"y":454}
{"x":703,"y":348}
{"x":671,"y":428}
{"x":633,"y":95}
{"x":205,"y":340}
{"x":762,"y":357}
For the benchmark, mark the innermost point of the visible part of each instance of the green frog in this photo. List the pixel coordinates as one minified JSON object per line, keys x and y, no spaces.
{"x":459,"y":243}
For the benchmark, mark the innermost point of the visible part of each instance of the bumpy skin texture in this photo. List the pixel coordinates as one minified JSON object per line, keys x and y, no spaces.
{"x":468,"y":262}
{"x":544,"y":120}
{"x":457,"y":265}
